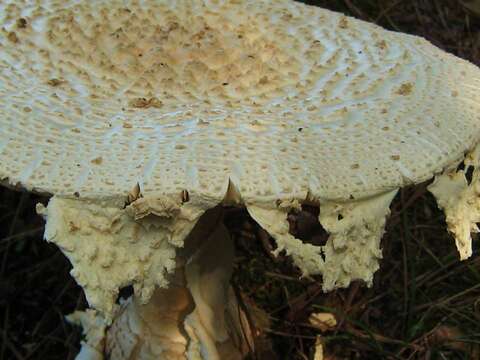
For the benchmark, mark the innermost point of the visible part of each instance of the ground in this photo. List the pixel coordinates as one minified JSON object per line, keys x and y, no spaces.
{"x":424,"y":303}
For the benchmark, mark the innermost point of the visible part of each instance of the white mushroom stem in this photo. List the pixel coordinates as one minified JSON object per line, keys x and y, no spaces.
{"x":111,"y":247}
{"x":189,"y":320}
{"x":192,"y":314}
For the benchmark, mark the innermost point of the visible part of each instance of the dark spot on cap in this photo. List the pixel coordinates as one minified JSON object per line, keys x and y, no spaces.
{"x":21,"y":23}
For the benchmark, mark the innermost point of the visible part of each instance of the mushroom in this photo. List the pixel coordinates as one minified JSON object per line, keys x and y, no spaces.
{"x":143,"y":120}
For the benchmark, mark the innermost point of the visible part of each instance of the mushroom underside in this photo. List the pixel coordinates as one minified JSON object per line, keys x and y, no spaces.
{"x":178,"y":256}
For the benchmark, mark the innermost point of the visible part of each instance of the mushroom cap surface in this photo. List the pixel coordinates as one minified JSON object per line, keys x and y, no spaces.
{"x":281,"y":99}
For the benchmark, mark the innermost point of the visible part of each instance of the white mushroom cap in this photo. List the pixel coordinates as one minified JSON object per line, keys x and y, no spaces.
{"x":271,"y":103}
{"x":282,"y":99}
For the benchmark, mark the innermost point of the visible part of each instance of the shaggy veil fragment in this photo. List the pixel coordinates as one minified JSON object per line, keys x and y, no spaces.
{"x":94,"y":328}
{"x":459,"y":199}
{"x":273,"y":219}
{"x":353,"y":248}
{"x":111,"y":247}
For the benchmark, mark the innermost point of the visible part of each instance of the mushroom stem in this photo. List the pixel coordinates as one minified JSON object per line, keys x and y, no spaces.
{"x":179,"y":249}
{"x":192,"y":319}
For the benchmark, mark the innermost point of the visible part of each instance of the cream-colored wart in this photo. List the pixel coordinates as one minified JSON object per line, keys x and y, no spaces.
{"x":266,"y":105}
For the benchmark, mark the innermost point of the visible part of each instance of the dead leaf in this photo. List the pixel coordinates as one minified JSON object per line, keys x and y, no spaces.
{"x":448,"y":336}
{"x":323,"y":321}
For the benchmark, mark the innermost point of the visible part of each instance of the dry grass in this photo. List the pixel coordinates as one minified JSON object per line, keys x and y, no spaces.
{"x":424,"y":304}
{"x":36,"y":289}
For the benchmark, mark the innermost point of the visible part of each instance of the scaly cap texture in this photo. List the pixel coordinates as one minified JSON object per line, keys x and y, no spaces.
{"x":278,"y":97}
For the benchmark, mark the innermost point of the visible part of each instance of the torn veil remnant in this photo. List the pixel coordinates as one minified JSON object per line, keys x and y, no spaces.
{"x":458,"y":197}
{"x":266,"y":105}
